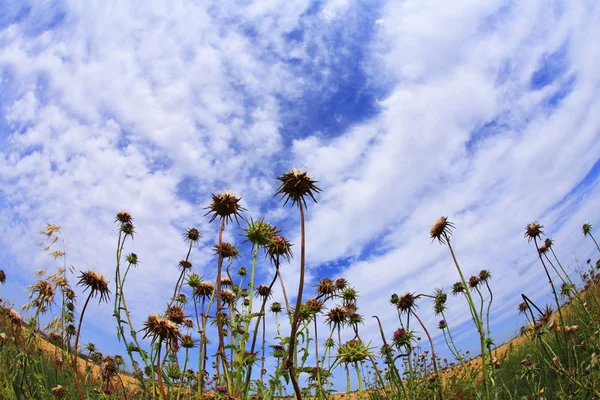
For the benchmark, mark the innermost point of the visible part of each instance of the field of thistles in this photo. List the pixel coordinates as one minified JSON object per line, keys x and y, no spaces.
{"x":211,"y":340}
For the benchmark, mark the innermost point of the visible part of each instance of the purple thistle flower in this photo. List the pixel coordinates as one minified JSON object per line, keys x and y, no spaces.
{"x":221,"y":389}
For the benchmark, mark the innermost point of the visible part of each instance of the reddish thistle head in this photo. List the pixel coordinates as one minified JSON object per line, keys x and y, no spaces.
{"x":225,"y":206}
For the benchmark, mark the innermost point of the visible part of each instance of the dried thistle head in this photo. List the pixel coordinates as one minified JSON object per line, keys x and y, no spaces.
{"x":263,"y":291}
{"x":124,"y":217}
{"x":341,"y":284}
{"x":406,"y":302}
{"x":184,"y":265}
{"x":2,"y":276}
{"x":533,"y":231}
{"x":158,"y":326}
{"x":587,"y":229}
{"x":325,"y":287}
{"x":259,"y":232}
{"x":336,"y":316}
{"x":96,"y":282}
{"x":225,"y":205}
{"x":457,"y":288}
{"x":192,"y":235}
{"x":295,"y":185}
{"x":227,"y":250}
{"x":278,"y":247}
{"x":58,"y":392}
{"x":314,"y":306}
{"x":441,"y":230}
{"x":176,"y":314}
{"x":226,"y":281}
{"x":204,"y":289}
{"x":546,"y":315}
{"x":227,"y":296}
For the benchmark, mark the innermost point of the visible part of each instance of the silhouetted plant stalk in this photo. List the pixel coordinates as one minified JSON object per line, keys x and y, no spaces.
{"x":441,"y":231}
{"x":533,"y":231}
{"x":98,"y":286}
{"x":224,"y":206}
{"x":295,"y":185}
{"x":587,"y":231}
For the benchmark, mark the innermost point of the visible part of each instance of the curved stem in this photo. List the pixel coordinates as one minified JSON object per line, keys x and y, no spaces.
{"x":75,"y":352}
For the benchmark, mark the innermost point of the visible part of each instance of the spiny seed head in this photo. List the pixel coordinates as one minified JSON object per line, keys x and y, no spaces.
{"x":194,"y":280}
{"x":314,"y":306}
{"x":278,"y":247}
{"x":349,"y":295}
{"x":473,"y":282}
{"x":263,"y":291}
{"x":226,"y":281}
{"x":160,"y":327}
{"x":227,"y":250}
{"x":96,"y":282}
{"x":242,"y":272}
{"x":124,"y":217}
{"x":522,"y":307}
{"x":341,"y":284}
{"x":457,"y":288}
{"x":441,"y":230}
{"x":188,"y":342}
{"x":176,"y":314}
{"x":355,"y":319}
{"x":259,"y":233}
{"x":325,"y":287}
{"x":549,"y":243}
{"x":543,"y":249}
{"x":2,"y":276}
{"x":587,"y":229}
{"x":188,"y":323}
{"x":184,"y":265}
{"x":70,"y":294}
{"x":406,"y":302}
{"x":192,"y":235}
{"x":132,"y":259}
{"x":58,"y":392}
{"x":295,"y":185}
{"x":353,"y":351}
{"x":336,"y":316}
{"x":276,"y":307}
{"x":546,"y":315}
{"x":204,"y":289}
{"x":439,"y":301}
{"x":485,"y":275}
{"x":227,"y":296}
{"x":533,"y":231}
{"x":225,"y":205}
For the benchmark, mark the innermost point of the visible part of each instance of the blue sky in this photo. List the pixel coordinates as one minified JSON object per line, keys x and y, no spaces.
{"x":485,"y":112}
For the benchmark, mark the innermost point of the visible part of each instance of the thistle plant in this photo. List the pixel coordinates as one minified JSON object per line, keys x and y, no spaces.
{"x":98,"y":287}
{"x":296,"y":185}
{"x":441,"y":231}
{"x":587,"y":231}
{"x":225,"y":206}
